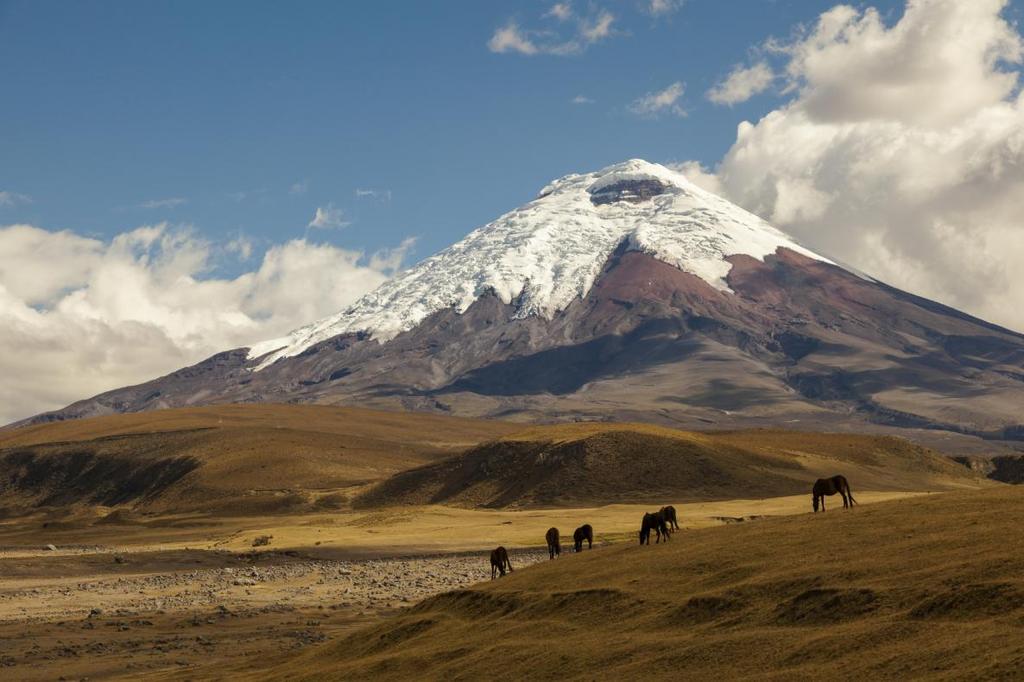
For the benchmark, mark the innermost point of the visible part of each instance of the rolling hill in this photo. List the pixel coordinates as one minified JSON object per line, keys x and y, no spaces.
{"x":586,"y":464}
{"x":233,"y":459}
{"x":267,"y":459}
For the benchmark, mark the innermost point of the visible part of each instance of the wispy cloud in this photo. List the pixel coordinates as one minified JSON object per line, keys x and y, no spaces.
{"x":511,"y":38}
{"x":241,"y":245}
{"x":560,"y":10}
{"x":597,"y":29}
{"x":390,"y":260}
{"x":383,"y":195}
{"x":171,"y":202}
{"x":242,"y":195}
{"x":300,"y":187}
{"x":14,"y":198}
{"x":660,"y":8}
{"x":586,"y":31}
{"x":741,"y":84}
{"x":581,"y":99}
{"x":660,"y":102}
{"x":328,"y":217}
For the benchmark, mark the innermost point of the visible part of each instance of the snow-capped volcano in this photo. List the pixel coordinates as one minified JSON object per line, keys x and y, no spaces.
{"x":629,"y":293}
{"x":546,"y":254}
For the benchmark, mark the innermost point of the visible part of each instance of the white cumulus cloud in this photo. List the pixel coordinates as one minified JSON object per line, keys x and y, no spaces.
{"x":79,"y":315}
{"x":900,"y":150}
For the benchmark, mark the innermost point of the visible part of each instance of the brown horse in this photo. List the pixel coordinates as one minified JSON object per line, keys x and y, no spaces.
{"x":554,"y":544}
{"x":831,"y":486}
{"x":655,"y":522}
{"x":584,"y":532}
{"x":499,"y":561}
{"x":669,"y":513}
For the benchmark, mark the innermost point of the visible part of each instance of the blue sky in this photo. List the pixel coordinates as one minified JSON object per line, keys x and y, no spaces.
{"x":181,"y":178}
{"x":235,"y":107}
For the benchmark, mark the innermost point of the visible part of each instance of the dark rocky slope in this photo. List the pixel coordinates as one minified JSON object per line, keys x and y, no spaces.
{"x":796,"y":341}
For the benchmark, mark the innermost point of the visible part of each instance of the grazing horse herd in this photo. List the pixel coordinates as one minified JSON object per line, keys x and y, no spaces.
{"x":662,"y":522}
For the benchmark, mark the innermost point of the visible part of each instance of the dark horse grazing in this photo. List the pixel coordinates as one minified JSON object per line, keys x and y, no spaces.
{"x":655,"y":522}
{"x":831,"y":486}
{"x":554,"y":544}
{"x":584,"y":532}
{"x":669,"y":513}
{"x":499,"y":561}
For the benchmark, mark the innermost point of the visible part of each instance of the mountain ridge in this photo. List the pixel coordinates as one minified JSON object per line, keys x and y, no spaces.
{"x":783,"y":336}
{"x":549,"y":252}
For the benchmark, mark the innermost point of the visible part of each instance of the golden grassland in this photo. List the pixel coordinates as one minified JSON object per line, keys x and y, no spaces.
{"x":930,"y":587}
{"x":382,"y":532}
{"x":292,"y":471}
{"x":922,"y":580}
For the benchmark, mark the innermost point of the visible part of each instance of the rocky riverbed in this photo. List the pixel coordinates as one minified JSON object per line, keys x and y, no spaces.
{"x":151,"y":612}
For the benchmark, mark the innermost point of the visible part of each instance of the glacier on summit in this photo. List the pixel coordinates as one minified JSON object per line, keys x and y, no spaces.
{"x":550,"y":251}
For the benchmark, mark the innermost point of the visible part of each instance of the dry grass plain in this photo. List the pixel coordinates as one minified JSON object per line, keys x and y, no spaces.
{"x":154,"y":572}
{"x":928,"y":588}
{"x":188,"y":597}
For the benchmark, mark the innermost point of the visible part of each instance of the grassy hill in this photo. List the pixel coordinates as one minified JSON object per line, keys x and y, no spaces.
{"x":573,"y":465}
{"x":237,"y":460}
{"x":931,"y":587}
{"x":232,"y":459}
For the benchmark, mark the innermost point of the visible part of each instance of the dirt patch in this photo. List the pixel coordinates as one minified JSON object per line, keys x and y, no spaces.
{"x":85,"y":613}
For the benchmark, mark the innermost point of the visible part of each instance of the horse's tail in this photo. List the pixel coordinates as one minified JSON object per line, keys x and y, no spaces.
{"x":849,"y":493}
